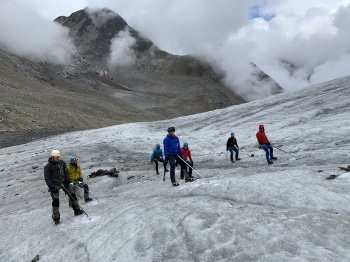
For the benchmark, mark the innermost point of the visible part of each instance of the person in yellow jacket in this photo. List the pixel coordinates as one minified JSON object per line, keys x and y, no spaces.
{"x":77,"y":176}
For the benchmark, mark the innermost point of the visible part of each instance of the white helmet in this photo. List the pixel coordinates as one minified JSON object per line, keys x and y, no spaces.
{"x":55,"y":153}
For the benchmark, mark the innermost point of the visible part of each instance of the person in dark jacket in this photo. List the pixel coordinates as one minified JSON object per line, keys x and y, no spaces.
{"x":264,"y":143}
{"x":232,"y":145}
{"x":56,"y":177}
{"x":173,"y":154}
{"x":156,"y":156}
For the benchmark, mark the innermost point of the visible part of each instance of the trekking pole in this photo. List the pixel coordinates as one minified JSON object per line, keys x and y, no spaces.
{"x":199,"y":175}
{"x":81,"y":185}
{"x":65,"y":190}
{"x":226,"y":154}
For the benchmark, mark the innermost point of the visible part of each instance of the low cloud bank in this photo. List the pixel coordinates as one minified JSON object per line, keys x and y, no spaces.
{"x":23,"y":32}
{"x":302,"y":43}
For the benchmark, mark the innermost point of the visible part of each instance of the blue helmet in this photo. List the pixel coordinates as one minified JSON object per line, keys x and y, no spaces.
{"x":185,"y":143}
{"x":157,"y":145}
{"x":73,"y":159}
{"x":232,"y":133}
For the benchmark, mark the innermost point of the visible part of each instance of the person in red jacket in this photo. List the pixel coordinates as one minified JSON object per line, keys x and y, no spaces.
{"x":264,"y":143}
{"x":188,"y":158}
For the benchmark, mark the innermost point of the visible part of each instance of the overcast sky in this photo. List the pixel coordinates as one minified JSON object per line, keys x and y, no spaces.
{"x":297,"y":42}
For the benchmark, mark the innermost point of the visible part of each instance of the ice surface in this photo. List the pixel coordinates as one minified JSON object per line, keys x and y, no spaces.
{"x":246,"y":211}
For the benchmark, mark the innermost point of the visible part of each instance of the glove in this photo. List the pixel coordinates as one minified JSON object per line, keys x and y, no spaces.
{"x":166,"y":159}
{"x":226,"y":149}
{"x":181,"y":155}
{"x":80,"y":179}
{"x":66,"y":185}
{"x":260,"y":146}
{"x":53,"y":190}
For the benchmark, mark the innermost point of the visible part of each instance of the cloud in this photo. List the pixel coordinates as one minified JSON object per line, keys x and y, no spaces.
{"x":302,"y":43}
{"x":122,"y":53}
{"x":25,"y":33}
{"x":295,"y":48}
{"x":100,"y":17}
{"x":303,"y":37}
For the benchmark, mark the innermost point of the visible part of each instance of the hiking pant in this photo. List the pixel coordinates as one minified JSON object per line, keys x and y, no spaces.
{"x":56,"y":201}
{"x":269,"y":155}
{"x":189,"y":171}
{"x":85,"y":187}
{"x":160,"y":160}
{"x":172,"y":161}
{"x":231,"y":149}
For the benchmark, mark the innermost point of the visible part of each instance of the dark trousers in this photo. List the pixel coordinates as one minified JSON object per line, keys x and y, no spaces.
{"x":172,"y":161}
{"x":73,"y":201}
{"x":231,"y":149}
{"x":189,"y":170}
{"x":160,"y":160}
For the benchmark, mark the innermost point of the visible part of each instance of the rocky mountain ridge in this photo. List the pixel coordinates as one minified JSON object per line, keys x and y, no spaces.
{"x":40,"y":98}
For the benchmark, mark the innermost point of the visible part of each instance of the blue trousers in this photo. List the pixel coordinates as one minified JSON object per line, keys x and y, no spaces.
{"x":269,"y":155}
{"x":172,"y":162}
{"x":231,"y":149}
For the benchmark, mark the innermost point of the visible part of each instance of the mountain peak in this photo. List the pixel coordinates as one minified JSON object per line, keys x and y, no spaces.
{"x":93,"y":30}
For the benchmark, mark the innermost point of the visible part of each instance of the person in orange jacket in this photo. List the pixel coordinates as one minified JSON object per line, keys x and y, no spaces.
{"x":264,"y":143}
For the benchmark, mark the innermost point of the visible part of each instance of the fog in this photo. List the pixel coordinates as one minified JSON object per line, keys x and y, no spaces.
{"x":24,"y":32}
{"x":298,"y":43}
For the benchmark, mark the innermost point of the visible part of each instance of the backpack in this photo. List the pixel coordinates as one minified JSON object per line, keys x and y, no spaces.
{"x":113,"y":172}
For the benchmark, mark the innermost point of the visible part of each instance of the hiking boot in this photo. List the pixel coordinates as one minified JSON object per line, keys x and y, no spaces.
{"x":273,"y":158}
{"x":157,"y":173}
{"x":88,"y":199}
{"x":182,"y":178}
{"x":166,"y":170}
{"x":238,"y":159}
{"x":175,"y":183}
{"x":233,"y":161}
{"x":56,"y":221}
{"x":270,"y":162}
{"x":78,"y":212}
{"x":189,"y":179}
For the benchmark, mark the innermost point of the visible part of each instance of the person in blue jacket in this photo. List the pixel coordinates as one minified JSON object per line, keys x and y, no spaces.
{"x":156,"y":156}
{"x":173,"y":154}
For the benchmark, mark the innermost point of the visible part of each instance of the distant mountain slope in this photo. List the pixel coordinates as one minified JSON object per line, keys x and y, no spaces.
{"x":93,"y":30}
{"x":42,"y":97}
